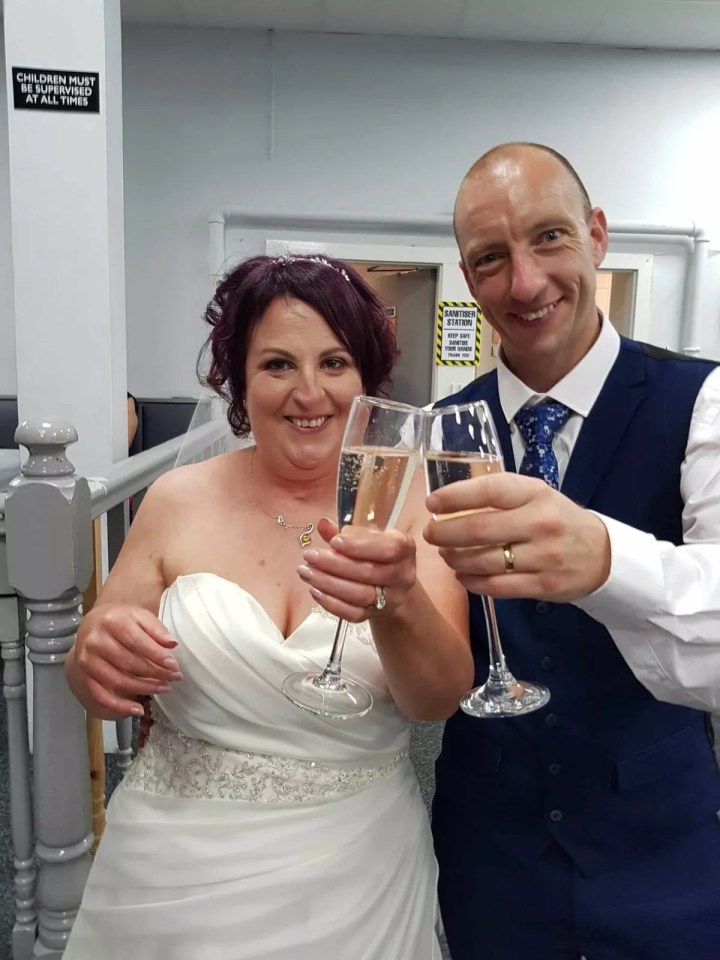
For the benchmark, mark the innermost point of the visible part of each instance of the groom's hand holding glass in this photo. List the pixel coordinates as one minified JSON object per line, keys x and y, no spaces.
{"x":552,"y":548}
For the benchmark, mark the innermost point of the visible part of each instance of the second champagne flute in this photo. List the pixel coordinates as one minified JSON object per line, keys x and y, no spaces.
{"x":461,"y":442}
{"x":379,"y":454}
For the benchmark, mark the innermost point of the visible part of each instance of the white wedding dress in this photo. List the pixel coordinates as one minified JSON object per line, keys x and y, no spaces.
{"x":247,"y":829}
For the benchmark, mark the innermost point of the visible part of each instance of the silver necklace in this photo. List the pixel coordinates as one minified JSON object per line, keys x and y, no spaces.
{"x":304,"y":538}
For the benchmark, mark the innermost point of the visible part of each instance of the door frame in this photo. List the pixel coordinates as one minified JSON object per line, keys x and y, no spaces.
{"x":641,"y":264}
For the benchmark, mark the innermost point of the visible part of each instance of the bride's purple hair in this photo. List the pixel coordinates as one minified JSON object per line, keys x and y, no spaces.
{"x":351,"y":309}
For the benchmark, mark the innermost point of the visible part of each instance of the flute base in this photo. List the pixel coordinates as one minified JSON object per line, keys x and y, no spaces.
{"x":328,"y":695}
{"x":504,"y":696}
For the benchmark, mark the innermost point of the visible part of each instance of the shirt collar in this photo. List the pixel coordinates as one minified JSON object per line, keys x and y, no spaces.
{"x":578,"y":390}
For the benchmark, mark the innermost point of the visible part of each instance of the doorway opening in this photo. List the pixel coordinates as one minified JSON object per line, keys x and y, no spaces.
{"x":409,"y":294}
{"x":615,"y":296}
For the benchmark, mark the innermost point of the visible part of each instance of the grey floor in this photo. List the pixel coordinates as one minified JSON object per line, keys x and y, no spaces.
{"x":425,"y":746}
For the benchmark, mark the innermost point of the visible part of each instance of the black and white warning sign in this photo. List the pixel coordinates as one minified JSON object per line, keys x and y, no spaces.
{"x":458,"y":334}
{"x":75,"y":91}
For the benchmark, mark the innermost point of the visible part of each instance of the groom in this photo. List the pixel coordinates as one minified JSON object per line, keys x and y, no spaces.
{"x":590,"y":827}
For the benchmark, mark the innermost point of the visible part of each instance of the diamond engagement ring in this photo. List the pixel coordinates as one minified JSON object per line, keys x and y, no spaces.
{"x":379,"y":598}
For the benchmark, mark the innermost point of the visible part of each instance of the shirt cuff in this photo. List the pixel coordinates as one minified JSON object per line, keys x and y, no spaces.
{"x":635,"y":588}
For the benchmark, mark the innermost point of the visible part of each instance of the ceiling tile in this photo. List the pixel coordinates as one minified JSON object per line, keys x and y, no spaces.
{"x":683,"y":24}
{"x":559,"y":21}
{"x":432,"y":18}
{"x":304,"y":15}
{"x":158,"y":11}
{"x":669,"y":24}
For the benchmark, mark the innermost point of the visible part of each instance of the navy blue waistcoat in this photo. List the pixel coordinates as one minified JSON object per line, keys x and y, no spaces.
{"x":606,"y":770}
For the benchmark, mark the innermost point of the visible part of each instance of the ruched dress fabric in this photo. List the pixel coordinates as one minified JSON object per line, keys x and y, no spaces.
{"x":248,"y":829}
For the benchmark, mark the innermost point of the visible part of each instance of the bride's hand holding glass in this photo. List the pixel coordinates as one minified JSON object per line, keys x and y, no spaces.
{"x":421,"y":633}
{"x":377,"y":460}
{"x":361,"y":570}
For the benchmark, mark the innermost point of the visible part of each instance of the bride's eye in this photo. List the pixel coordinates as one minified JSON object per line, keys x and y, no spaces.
{"x":277,"y":364}
{"x":334,"y":363}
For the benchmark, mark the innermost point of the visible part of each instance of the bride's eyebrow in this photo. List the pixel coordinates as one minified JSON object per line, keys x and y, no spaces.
{"x":334,"y":351}
{"x":275,"y":352}
{"x":286,"y":355}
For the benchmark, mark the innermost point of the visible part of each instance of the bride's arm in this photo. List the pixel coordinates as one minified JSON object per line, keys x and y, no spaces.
{"x":424,"y":642}
{"x":422,"y":634}
{"x":122,"y":651}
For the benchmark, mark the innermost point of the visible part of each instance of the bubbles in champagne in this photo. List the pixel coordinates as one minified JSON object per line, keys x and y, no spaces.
{"x":372,"y":485}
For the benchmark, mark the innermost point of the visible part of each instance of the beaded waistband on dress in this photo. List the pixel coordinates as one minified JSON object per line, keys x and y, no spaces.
{"x":173,"y":764}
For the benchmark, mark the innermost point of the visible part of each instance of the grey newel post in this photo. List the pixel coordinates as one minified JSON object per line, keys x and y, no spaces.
{"x":21,"y":825}
{"x":49,"y":543}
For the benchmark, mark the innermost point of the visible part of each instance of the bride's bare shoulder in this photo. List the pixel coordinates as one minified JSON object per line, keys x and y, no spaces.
{"x":186,"y":484}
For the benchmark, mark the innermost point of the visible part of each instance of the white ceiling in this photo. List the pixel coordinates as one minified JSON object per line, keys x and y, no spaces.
{"x":664,"y":24}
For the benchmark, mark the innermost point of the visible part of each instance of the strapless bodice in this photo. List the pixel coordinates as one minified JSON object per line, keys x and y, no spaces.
{"x":234,"y":660}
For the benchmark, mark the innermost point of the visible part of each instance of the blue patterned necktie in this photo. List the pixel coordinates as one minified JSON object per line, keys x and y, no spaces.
{"x":538,"y":426}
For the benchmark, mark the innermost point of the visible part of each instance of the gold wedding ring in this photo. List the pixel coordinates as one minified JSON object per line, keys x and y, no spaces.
{"x":509,"y":558}
{"x":379,"y":598}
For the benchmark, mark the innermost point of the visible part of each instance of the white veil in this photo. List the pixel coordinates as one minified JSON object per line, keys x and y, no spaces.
{"x":209,"y":433}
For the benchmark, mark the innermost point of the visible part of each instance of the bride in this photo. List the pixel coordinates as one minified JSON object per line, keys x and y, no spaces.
{"x":247,"y":829}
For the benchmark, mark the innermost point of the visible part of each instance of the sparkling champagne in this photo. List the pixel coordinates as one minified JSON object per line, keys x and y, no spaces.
{"x":372,"y":485}
{"x":448,"y":466}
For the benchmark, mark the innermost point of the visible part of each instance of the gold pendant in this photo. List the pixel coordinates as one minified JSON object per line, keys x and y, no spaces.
{"x":305,"y":537}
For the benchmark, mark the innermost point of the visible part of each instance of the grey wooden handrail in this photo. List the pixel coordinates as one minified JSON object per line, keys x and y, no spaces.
{"x":127,"y":477}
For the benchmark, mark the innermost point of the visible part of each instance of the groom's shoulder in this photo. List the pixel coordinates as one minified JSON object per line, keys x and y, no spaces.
{"x":478,"y":389}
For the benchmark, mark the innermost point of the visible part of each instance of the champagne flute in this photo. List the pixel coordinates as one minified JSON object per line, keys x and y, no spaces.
{"x":461,"y":442}
{"x":379,"y":454}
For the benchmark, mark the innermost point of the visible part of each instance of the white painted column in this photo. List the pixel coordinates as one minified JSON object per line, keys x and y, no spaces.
{"x":66,"y":187}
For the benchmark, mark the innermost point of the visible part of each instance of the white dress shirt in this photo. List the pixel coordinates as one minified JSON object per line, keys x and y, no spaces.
{"x":661,"y":602}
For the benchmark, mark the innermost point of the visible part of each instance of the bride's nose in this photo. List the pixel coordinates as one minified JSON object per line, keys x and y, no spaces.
{"x":308,"y":389}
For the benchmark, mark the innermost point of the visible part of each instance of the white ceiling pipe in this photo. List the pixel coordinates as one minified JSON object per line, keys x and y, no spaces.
{"x":692,"y":300}
{"x":216,"y":251}
{"x":691,"y":230}
{"x":653,"y":239}
{"x":441,"y":224}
